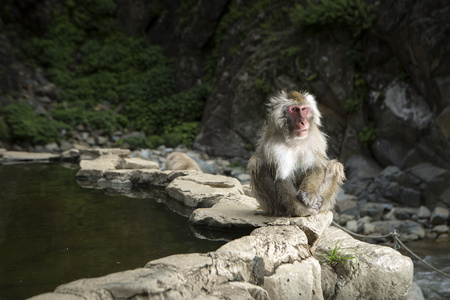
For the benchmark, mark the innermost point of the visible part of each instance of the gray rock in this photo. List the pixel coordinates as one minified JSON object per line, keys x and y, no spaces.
{"x":87,"y":154}
{"x":102,"y":140}
{"x":92,"y":170}
{"x":427,"y":172}
{"x":345,"y":203}
{"x":313,"y":226}
{"x":401,"y":213}
{"x":407,"y":105}
{"x":137,"y":163}
{"x":440,"y":229}
{"x":344,"y":218}
{"x":443,"y":122}
{"x":390,"y":190}
{"x":231,"y":212}
{"x":115,"y":183}
{"x":52,"y":147}
{"x":439,"y":216}
{"x":352,"y":225}
{"x":70,"y":155}
{"x":373,"y":210}
{"x":423,"y":212}
{"x":390,"y":274}
{"x":445,"y":196}
{"x":65,"y":145}
{"x":11,"y":156}
{"x":388,"y":152}
{"x":415,"y":293}
{"x":360,"y":167}
{"x":203,"y":190}
{"x":295,"y":281}
{"x":410,"y":197}
{"x":408,"y":230}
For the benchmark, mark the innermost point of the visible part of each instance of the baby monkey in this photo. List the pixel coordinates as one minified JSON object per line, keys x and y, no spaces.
{"x":290,"y":172}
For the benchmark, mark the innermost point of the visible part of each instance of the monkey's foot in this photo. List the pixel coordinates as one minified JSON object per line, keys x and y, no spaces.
{"x":310,"y":200}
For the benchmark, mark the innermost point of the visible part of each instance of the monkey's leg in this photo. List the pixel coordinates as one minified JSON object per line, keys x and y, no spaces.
{"x":308,"y":191}
{"x":332,"y":182}
{"x":286,"y":195}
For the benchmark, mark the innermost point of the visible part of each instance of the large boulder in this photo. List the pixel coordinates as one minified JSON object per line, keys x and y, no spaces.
{"x":273,"y":262}
{"x":376,"y":272}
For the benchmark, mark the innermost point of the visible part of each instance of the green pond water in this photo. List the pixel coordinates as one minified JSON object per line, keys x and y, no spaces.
{"x":52,"y":231}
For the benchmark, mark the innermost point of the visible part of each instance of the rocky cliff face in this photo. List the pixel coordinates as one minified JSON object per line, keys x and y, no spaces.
{"x":383,"y":91}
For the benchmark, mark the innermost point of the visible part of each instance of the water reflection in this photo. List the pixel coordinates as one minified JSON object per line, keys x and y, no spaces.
{"x":53,"y":231}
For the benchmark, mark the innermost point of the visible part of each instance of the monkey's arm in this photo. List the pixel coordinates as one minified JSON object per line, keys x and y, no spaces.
{"x":333,"y":180}
{"x":308,"y":191}
{"x":320,"y":185}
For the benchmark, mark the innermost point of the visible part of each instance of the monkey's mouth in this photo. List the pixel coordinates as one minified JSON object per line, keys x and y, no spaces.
{"x":301,"y":133}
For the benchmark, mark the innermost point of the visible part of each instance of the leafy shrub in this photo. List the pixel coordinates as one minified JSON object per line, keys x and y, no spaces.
{"x":137,"y":142}
{"x":3,"y":130}
{"x":355,"y":15}
{"x":351,"y":105}
{"x":92,"y":60}
{"x":26,"y":125}
{"x":368,"y":134}
{"x":182,"y":134}
{"x":262,"y":86}
{"x":154,"y":141}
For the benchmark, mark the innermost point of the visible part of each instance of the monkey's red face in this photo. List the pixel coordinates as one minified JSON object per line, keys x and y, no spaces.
{"x":299,"y":116}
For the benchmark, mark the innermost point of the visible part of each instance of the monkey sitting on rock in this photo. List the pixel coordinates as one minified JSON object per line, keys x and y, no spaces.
{"x":290,"y":173}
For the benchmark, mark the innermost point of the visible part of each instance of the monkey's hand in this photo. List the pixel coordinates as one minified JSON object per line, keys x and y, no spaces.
{"x":309,"y":199}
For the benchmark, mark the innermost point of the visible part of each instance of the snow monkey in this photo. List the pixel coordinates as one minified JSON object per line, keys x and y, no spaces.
{"x":290,"y":172}
{"x":180,"y":161}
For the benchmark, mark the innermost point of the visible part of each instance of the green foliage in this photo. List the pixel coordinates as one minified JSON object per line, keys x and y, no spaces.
{"x":137,"y":142}
{"x":24,"y":124}
{"x":355,"y":15}
{"x":182,"y":134}
{"x":292,"y":51}
{"x":154,"y":141}
{"x":360,"y":93}
{"x":351,"y":105}
{"x":336,"y":255}
{"x":3,"y":130}
{"x":78,"y":114}
{"x":368,"y":134}
{"x":87,"y":55}
{"x":262,"y":86}
{"x":312,"y":77}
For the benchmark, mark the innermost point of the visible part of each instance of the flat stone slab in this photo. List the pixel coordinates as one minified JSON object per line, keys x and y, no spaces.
{"x":93,"y":169}
{"x":88,"y":154}
{"x":203,"y":190}
{"x":137,"y":163}
{"x":242,"y":212}
{"x":12,"y":156}
{"x":234,"y":212}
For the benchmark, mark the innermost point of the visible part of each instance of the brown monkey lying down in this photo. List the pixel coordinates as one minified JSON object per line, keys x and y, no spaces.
{"x":180,"y":161}
{"x":290,"y":172}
